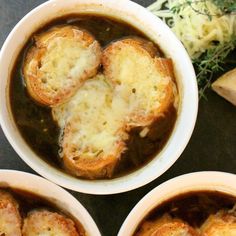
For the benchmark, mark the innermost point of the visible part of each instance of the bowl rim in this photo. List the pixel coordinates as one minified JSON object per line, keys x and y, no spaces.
{"x":137,"y":178}
{"x":196,"y":181}
{"x":30,"y":182}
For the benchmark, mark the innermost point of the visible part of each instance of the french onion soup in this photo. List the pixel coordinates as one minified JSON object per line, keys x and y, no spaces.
{"x":205,"y":213}
{"x":93,"y":96}
{"x":24,"y":213}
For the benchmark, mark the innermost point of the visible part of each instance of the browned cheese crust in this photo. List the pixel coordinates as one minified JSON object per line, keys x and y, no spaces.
{"x":220,"y":224}
{"x":138,"y":59}
{"x":59,"y":62}
{"x":138,"y":87}
{"x":43,"y":222}
{"x":10,"y":219}
{"x":80,"y":165}
{"x":89,"y":124}
{"x":166,"y":226}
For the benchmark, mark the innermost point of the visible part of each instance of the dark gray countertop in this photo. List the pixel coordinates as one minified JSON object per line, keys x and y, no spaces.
{"x":212,"y":146}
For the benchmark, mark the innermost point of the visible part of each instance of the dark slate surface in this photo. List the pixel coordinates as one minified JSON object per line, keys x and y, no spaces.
{"x":212,"y":146}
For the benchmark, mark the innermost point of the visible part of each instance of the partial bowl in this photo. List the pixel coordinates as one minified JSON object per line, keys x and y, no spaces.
{"x":208,"y":181}
{"x":52,"y":193}
{"x":158,"y":32}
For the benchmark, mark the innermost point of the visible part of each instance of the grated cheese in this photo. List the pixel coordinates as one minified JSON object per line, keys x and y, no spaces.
{"x":197,"y":31}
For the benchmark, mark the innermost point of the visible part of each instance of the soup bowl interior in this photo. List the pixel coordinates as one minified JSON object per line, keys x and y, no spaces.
{"x":195,"y":182}
{"x":50,"y":192}
{"x":154,"y":29}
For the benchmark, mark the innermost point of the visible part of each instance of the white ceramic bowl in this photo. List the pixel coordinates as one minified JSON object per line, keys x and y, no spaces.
{"x":50,"y":191}
{"x":154,"y":28}
{"x":199,"y":181}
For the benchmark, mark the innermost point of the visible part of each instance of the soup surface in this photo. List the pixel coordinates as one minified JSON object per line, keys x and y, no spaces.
{"x":42,"y":133}
{"x":27,"y":204}
{"x":194,"y":209}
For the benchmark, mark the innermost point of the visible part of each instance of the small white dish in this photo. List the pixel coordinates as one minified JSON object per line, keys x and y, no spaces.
{"x":151,"y":26}
{"x":199,"y":181}
{"x":51,"y":192}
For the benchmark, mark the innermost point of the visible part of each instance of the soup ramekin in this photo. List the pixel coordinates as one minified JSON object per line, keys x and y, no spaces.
{"x":156,"y":30}
{"x":52,"y":193}
{"x":199,"y":181}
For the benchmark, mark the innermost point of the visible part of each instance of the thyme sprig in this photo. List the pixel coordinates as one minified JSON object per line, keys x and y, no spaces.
{"x":225,"y":7}
{"x":208,"y":64}
{"x":211,"y":62}
{"x":176,"y":9}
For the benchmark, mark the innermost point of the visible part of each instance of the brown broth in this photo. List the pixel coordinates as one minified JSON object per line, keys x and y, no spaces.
{"x":192,"y":207}
{"x":29,"y":201}
{"x":35,"y":122}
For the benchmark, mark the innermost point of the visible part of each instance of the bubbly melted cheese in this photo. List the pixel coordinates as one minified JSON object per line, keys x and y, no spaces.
{"x":139,"y":82}
{"x":98,"y":118}
{"x":10,"y":221}
{"x":220,"y":224}
{"x":142,"y":81}
{"x":65,"y":60}
{"x":96,"y":115}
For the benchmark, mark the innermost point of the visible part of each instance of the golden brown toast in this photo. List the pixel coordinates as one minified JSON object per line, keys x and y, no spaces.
{"x":220,"y":224}
{"x":93,"y":130}
{"x":59,"y":62}
{"x":44,"y":222}
{"x":143,"y":79}
{"x":97,"y":120}
{"x":10,"y":219}
{"x":166,"y":226}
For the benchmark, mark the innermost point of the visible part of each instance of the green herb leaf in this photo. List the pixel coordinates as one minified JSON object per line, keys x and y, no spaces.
{"x":211,"y":62}
{"x":208,"y":64}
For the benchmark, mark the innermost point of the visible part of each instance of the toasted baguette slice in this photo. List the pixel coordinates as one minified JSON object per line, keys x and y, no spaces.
{"x":93,"y":130}
{"x":43,"y":222}
{"x":220,"y":224}
{"x":142,"y":79}
{"x":10,"y":219}
{"x":59,"y":62}
{"x":166,"y":226}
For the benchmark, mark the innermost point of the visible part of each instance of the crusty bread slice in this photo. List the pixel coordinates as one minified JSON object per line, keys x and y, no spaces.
{"x":144,"y":80}
{"x":93,"y":130}
{"x":96,"y":122}
{"x":59,"y":62}
{"x":10,"y":219}
{"x":166,"y":226}
{"x":44,"y":222}
{"x":220,"y":224}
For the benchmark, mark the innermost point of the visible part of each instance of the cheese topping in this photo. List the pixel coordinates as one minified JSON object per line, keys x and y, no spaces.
{"x":96,"y":117}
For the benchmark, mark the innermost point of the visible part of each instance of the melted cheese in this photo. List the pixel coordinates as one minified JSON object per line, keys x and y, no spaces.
{"x":220,"y":224}
{"x":96,"y":115}
{"x":143,"y":82}
{"x":64,"y":61}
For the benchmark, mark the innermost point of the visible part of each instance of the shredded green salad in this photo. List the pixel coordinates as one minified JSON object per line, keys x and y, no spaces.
{"x":207,"y":29}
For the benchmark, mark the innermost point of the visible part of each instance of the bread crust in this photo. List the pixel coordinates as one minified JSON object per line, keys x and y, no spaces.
{"x":44,"y":222}
{"x":81,"y":165}
{"x":10,"y":219}
{"x":81,"y":157}
{"x":162,"y":66}
{"x":220,"y":224}
{"x":36,"y":79}
{"x":166,"y":226}
{"x":78,"y":155}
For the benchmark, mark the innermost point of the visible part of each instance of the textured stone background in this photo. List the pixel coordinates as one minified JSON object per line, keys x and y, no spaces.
{"x":212,"y":146}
